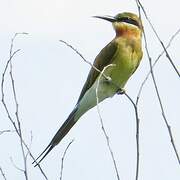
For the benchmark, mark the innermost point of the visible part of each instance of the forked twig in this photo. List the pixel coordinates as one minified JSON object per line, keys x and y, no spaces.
{"x":17,"y":128}
{"x":139,"y":4}
{"x":17,"y":108}
{"x":155,"y":84}
{"x":154,"y":64}
{"x":138,"y":97}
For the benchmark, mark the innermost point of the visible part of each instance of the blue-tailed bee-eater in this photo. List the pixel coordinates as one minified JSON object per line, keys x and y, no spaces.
{"x":124,"y":52}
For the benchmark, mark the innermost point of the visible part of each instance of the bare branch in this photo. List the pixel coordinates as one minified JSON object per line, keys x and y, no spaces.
{"x":28,"y":151}
{"x":3,"y":174}
{"x":62,"y":160}
{"x":156,"y":87}
{"x":5,"y":131}
{"x":139,"y":4}
{"x":18,"y":168}
{"x":77,"y":52}
{"x":17,"y":107}
{"x":137,"y":134}
{"x":17,"y":128}
{"x":154,"y":64}
{"x":3,"y":78}
{"x":137,"y":100}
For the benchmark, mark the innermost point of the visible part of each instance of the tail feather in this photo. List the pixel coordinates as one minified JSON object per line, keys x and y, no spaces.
{"x":48,"y":149}
{"x":64,"y":129}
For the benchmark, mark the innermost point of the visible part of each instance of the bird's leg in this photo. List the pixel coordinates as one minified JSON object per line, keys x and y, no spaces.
{"x":120,"y":91}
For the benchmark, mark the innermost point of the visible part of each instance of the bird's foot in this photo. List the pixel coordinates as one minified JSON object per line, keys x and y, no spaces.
{"x":120,"y":91}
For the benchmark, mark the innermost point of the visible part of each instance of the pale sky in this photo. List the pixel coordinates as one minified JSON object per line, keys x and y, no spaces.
{"x":49,"y":77}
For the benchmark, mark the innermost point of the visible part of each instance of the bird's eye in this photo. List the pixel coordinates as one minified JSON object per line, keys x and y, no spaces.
{"x":128,"y":20}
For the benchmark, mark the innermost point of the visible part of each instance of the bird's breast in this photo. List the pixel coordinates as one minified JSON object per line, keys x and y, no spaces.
{"x":126,"y":60}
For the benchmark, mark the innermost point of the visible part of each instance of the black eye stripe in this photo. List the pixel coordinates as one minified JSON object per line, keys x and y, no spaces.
{"x":128,"y":20}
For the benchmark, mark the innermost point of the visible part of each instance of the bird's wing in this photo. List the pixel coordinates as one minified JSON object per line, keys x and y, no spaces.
{"x":102,"y":60}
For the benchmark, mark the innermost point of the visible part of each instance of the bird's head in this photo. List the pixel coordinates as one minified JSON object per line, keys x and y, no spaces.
{"x":125,"y":24}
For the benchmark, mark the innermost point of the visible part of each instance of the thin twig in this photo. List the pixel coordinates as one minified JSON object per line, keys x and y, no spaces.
{"x":17,"y":108}
{"x":3,"y":174}
{"x":5,"y":131}
{"x":102,"y":124}
{"x":158,"y":94}
{"x":77,"y":52}
{"x":18,"y":168}
{"x":154,"y":64}
{"x":138,"y":97}
{"x":12,"y":54}
{"x":62,"y":159}
{"x":28,"y":151}
{"x":155,"y":32}
{"x":137,"y":134}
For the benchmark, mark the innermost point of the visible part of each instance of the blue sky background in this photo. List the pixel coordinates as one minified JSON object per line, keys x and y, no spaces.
{"x":49,"y":77}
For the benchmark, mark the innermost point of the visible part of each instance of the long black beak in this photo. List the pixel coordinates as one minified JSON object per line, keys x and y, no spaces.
{"x":107,"y":18}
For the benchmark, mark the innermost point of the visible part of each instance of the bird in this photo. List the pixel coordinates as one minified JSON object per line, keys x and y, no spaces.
{"x":118,"y":60}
